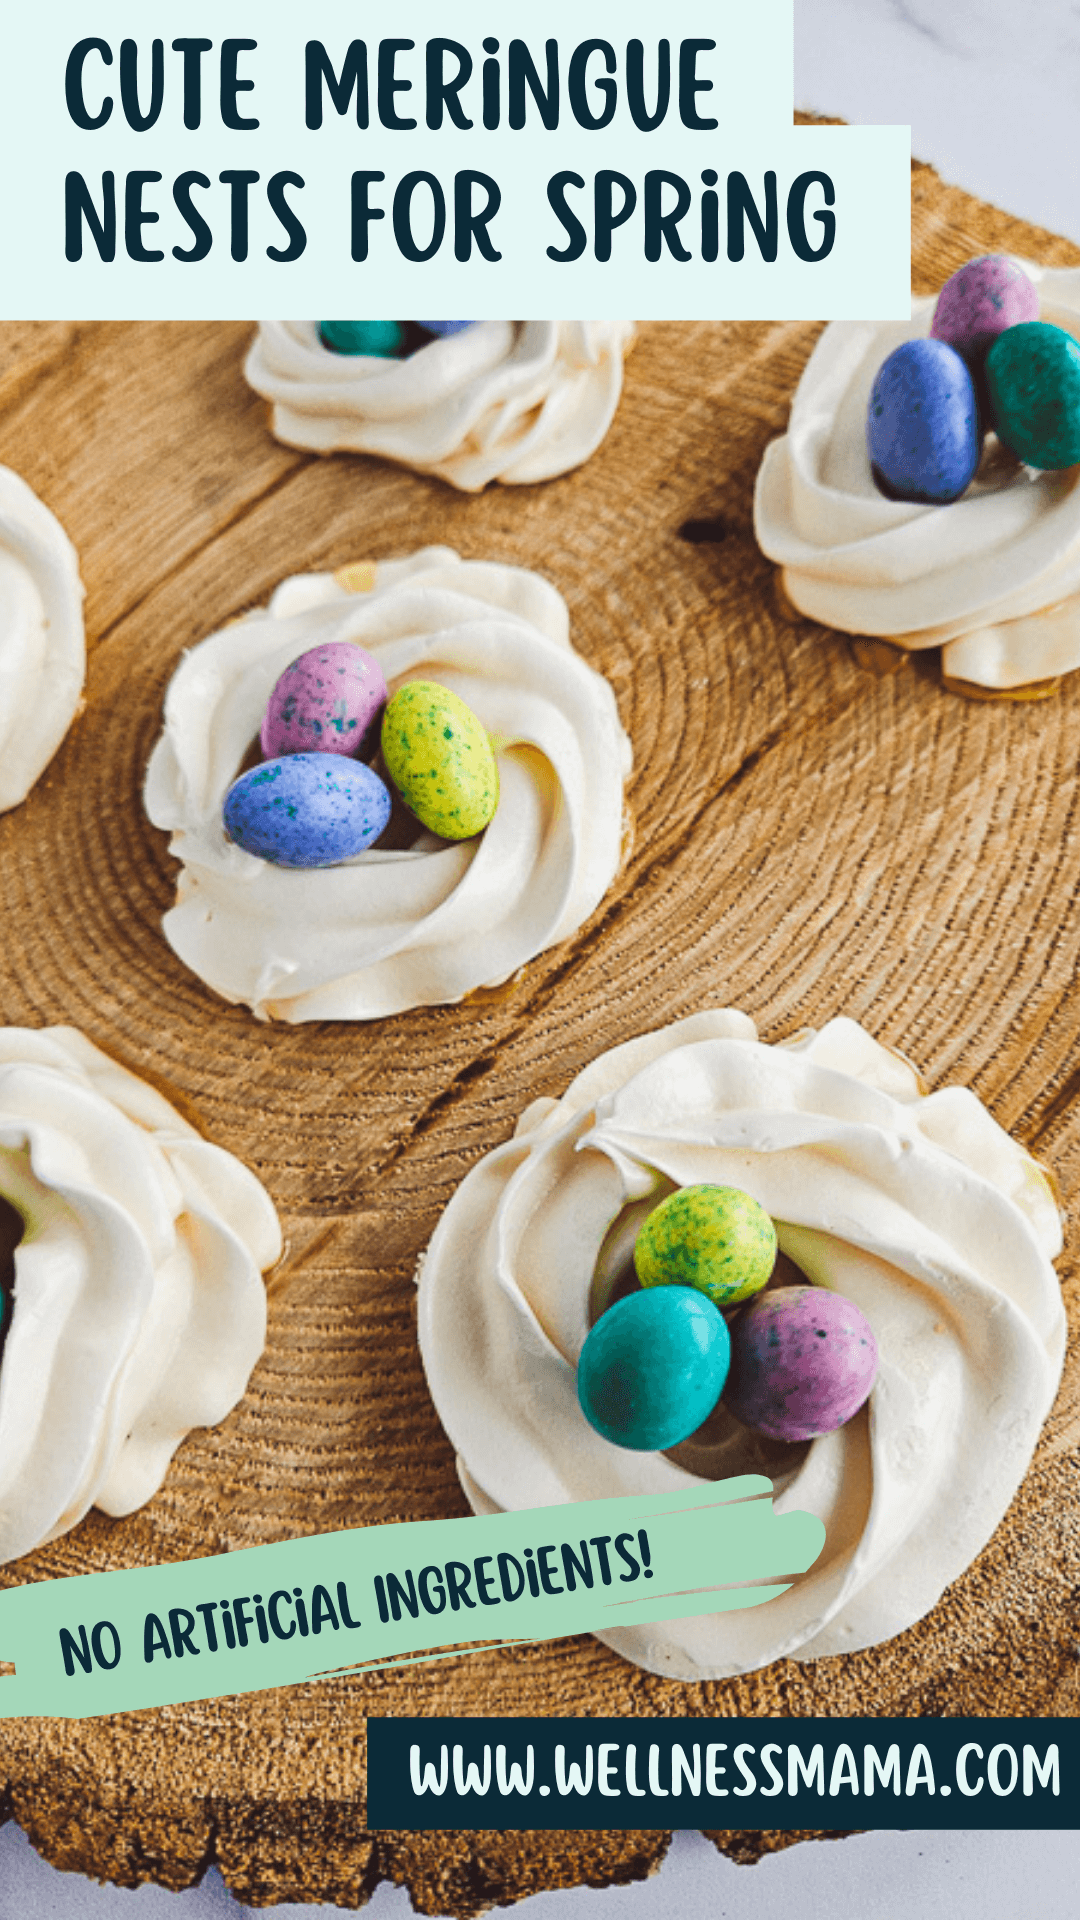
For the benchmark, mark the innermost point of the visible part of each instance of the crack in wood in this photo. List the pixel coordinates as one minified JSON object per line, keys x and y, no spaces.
{"x":1055,"y":1109}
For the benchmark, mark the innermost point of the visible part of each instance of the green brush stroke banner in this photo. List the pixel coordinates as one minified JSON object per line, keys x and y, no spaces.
{"x":377,"y":1596}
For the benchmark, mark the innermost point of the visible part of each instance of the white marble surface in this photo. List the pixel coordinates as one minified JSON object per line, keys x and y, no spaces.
{"x":990,"y":89}
{"x":876,"y":1876}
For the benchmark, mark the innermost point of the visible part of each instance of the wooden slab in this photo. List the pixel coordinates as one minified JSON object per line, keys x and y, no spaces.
{"x":812,"y":836}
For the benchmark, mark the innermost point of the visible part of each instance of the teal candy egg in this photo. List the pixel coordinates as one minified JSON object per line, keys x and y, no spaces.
{"x":1033,"y":382}
{"x":717,"y":1239}
{"x":381,"y":339}
{"x":653,"y":1368}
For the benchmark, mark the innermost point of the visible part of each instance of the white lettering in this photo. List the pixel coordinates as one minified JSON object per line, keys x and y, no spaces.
{"x":1046,"y":1774}
{"x":469,"y":1779}
{"x":571,"y":1779}
{"x":844,"y":1773}
{"x":993,"y":1773}
{"x":429,"y":1781}
{"x":751,"y":1783}
{"x":813,"y":1774}
{"x":889,"y":1774}
{"x":684,"y":1769}
{"x":511,"y":1779}
{"x":920,"y":1771}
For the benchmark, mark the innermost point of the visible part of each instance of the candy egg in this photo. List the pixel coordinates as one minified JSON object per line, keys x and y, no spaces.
{"x":1033,"y":380}
{"x":444,"y":328}
{"x":439,"y":757}
{"x":653,"y":1368}
{"x":324,"y":702}
{"x":381,"y":339}
{"x":716,"y":1239}
{"x":979,"y":301}
{"x":12,"y":1231}
{"x":307,"y":809}
{"x":922,"y":425}
{"x":803,"y":1360}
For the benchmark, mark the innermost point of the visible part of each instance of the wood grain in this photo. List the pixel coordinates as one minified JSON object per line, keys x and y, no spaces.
{"x":813,"y":835}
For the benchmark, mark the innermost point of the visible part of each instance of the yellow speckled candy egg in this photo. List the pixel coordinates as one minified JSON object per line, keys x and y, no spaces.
{"x":717,"y":1239}
{"x":440,"y":759}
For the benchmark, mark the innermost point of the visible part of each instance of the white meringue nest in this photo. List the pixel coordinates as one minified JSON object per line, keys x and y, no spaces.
{"x":993,"y":579}
{"x":917,"y":1207}
{"x":139,"y":1309}
{"x":510,"y":400}
{"x":427,"y":924}
{"x":42,"y":646}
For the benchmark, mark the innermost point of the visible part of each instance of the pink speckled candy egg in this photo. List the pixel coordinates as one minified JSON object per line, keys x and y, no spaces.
{"x":803,"y":1360}
{"x":324,"y":702}
{"x":980,"y":301}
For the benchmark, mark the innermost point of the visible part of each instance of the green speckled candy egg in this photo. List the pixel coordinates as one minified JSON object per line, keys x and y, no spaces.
{"x":1033,"y":380}
{"x":716,"y":1239}
{"x":440,"y":759}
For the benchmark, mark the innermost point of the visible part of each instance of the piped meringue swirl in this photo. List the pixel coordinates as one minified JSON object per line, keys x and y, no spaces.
{"x":917,"y":1207}
{"x":426,"y":924}
{"x":139,"y":1309}
{"x":510,"y":400}
{"x":993,"y":579}
{"x":42,"y":645}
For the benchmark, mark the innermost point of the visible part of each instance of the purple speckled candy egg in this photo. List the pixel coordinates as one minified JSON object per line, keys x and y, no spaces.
{"x":803,"y":1360}
{"x":324,"y":702}
{"x":980,"y":301}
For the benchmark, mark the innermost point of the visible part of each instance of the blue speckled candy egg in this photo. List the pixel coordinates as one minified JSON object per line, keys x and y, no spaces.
{"x":307,"y":809}
{"x":653,"y":1367}
{"x":444,"y":328}
{"x":922,"y":424}
{"x":1033,"y":379}
{"x":803,"y":1360}
{"x":324,"y":702}
{"x":979,"y":302}
{"x":382,"y":339}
